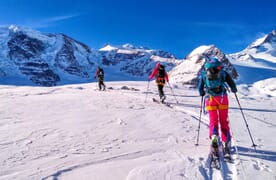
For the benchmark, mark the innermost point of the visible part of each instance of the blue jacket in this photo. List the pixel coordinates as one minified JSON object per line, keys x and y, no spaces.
{"x":225,"y":77}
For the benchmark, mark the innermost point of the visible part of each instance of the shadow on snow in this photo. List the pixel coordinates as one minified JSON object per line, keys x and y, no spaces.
{"x":261,"y":154}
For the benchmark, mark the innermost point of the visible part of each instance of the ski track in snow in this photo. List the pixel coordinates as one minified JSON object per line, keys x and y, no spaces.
{"x":57,"y":150}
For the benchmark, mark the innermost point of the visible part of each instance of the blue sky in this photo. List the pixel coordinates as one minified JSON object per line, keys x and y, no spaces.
{"x":177,"y":26}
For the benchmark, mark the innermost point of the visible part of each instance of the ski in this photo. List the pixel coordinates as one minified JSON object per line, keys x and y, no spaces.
{"x":215,"y":163}
{"x":214,"y":158}
{"x":218,"y":161}
{"x":228,"y":157}
{"x":159,"y":102}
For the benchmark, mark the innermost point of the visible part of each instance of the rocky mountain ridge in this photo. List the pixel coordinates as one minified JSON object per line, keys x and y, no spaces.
{"x":54,"y":59}
{"x":33,"y":58}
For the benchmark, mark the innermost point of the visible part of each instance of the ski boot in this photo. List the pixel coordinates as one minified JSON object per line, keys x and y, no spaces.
{"x":226,"y":150}
{"x":215,"y":145}
{"x":215,"y":152}
{"x":162,"y":99}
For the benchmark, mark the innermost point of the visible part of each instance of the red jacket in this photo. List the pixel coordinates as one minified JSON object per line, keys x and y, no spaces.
{"x":97,"y":73}
{"x":155,"y":72}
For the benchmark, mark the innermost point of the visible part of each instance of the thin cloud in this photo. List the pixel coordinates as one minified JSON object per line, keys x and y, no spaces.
{"x":60,"y":18}
{"x":51,"y":21}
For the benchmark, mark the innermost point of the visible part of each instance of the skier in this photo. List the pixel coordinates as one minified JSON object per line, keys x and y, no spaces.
{"x":212,"y":83}
{"x":100,"y":74}
{"x":161,"y":76}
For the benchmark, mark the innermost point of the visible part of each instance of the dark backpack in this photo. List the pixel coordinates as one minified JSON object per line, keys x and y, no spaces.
{"x":101,"y":73}
{"x":161,"y":71}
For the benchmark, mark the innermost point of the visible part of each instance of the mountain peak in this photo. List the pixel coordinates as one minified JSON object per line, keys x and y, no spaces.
{"x":13,"y":28}
{"x":199,"y":51}
{"x":263,"y":48}
{"x":129,"y":46}
{"x":108,"y":47}
{"x":193,"y":65}
{"x":268,"y":38}
{"x":271,"y":37}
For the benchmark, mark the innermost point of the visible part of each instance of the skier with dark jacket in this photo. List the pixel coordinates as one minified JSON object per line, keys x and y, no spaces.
{"x":100,"y":75}
{"x":212,"y":84}
{"x":161,"y":76}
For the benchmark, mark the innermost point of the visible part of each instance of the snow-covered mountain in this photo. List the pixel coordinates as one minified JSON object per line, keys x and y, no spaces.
{"x":263,"y":48}
{"x":255,"y":63}
{"x":188,"y":71}
{"x":259,"y":58}
{"x":136,"y":61}
{"x":262,"y":51}
{"x":44,"y":59}
{"x":32,"y":57}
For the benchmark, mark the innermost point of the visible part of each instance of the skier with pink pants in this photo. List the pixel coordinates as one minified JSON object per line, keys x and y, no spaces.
{"x":212,"y":84}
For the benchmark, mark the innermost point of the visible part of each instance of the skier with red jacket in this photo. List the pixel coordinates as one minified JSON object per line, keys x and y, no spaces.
{"x":161,"y":76}
{"x":100,"y":75}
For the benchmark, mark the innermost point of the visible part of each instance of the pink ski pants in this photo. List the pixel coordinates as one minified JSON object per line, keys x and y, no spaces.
{"x":217,"y":107}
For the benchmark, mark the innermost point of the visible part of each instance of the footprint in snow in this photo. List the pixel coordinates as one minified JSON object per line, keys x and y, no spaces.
{"x":258,"y":165}
{"x":121,"y":122}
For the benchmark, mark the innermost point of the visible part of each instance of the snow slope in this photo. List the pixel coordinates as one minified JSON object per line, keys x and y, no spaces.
{"x":78,"y":132}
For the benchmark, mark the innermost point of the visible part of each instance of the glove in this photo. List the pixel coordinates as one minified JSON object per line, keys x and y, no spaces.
{"x":202,"y":93}
{"x":234,"y":90}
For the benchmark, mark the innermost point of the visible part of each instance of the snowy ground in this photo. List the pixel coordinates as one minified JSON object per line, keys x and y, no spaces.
{"x":77,"y":132}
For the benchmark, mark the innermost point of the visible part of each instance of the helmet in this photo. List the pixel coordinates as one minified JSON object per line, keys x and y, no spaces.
{"x":212,"y":62}
{"x":212,"y":67}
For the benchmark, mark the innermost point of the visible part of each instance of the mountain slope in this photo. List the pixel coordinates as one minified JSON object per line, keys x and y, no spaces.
{"x":264,"y":48}
{"x":259,"y":59}
{"x":44,"y":59}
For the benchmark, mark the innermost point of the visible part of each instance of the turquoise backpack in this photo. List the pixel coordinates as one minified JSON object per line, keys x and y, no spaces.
{"x":214,"y":77}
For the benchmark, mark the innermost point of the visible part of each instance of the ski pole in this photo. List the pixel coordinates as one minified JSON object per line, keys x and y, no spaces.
{"x":96,"y":84}
{"x":253,"y":144}
{"x":198,"y":129}
{"x":147,"y":91}
{"x":173,"y":93}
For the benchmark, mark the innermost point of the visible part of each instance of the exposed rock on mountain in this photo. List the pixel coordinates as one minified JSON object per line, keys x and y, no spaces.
{"x":26,"y":53}
{"x":189,"y":70}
